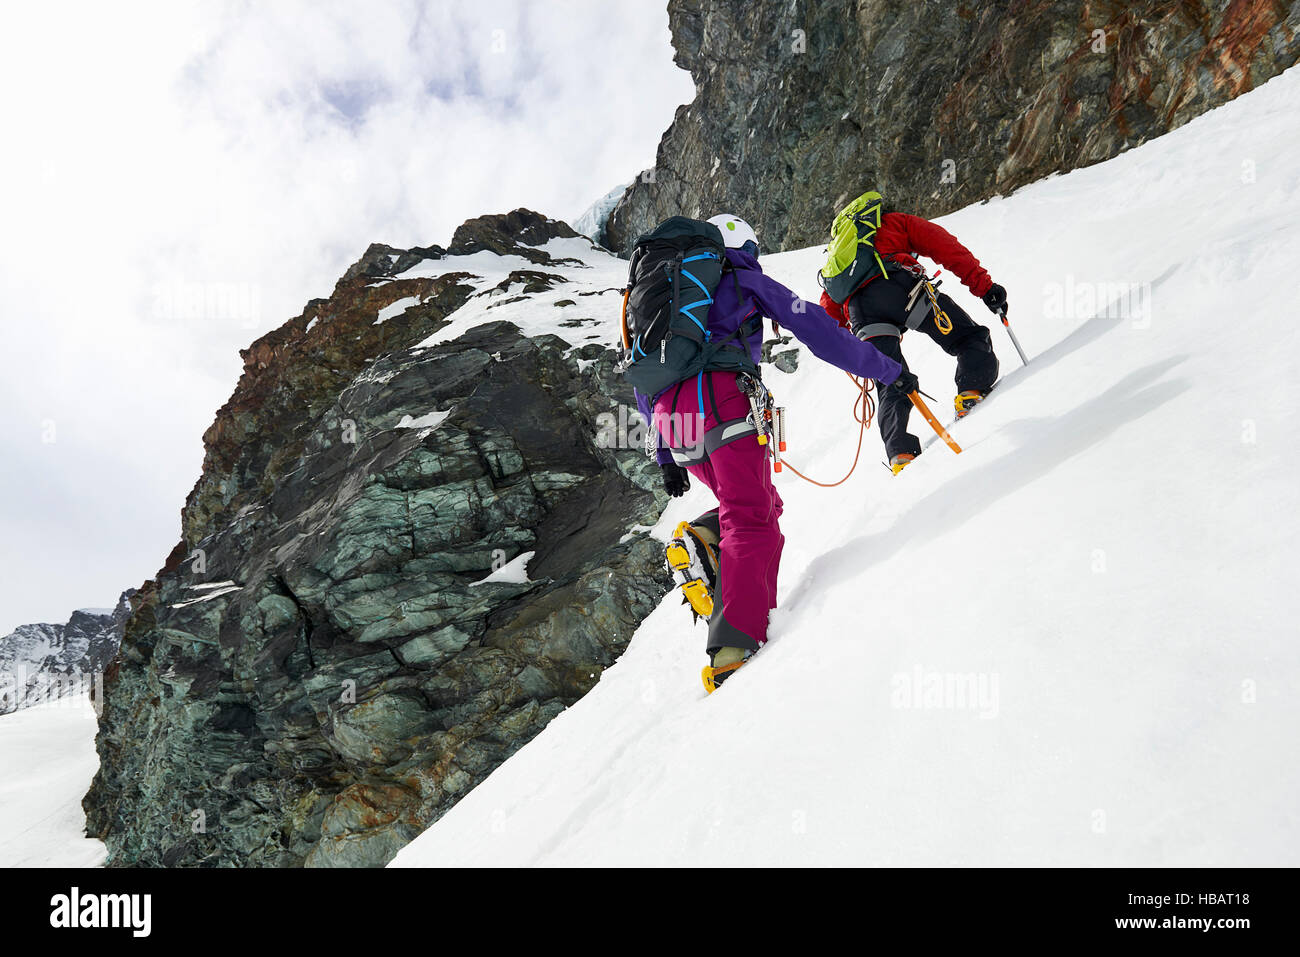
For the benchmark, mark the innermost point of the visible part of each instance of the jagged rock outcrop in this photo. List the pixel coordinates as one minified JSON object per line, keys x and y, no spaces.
{"x":40,"y":662}
{"x":513,"y":234}
{"x":802,"y":105}
{"x":327,"y":661}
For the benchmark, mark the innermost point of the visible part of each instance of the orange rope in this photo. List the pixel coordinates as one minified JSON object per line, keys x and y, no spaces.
{"x":864,"y":409}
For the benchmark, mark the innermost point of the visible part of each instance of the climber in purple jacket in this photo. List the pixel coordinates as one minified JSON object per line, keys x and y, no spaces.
{"x":727,"y":457}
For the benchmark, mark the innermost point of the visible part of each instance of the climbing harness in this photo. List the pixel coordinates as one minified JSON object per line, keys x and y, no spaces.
{"x":918,"y":309}
{"x":695,"y":449}
{"x":922,"y":302}
{"x":864,"y":410}
{"x":766,"y":421}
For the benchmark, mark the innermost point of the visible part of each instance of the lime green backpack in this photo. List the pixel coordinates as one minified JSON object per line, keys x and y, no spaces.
{"x":851,"y":258}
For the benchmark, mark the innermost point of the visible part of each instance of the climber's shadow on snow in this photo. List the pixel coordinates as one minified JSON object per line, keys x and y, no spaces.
{"x":1084,"y":335}
{"x":1042,"y":445}
{"x":1115,"y":313}
{"x":1108,"y":318}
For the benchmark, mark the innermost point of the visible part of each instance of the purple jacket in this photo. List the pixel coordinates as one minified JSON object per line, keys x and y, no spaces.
{"x":762,"y":295}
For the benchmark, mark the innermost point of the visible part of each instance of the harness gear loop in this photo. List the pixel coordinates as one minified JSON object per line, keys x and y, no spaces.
{"x":778,"y":427}
{"x":940,"y":317}
{"x":929,"y":284}
{"x":760,"y":405}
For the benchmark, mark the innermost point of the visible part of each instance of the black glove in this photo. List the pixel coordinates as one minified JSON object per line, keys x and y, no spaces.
{"x":996,"y":299}
{"x":676,"y":479}
{"x":906,"y":383}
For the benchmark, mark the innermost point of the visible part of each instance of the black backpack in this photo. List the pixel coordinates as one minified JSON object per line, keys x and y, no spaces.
{"x":674,"y":271}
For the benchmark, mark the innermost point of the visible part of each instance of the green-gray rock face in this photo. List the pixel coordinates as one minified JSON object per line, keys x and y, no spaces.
{"x":802,"y":105}
{"x":319,"y":671}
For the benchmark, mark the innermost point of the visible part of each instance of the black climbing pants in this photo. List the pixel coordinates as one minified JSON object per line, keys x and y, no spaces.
{"x":884,"y":301}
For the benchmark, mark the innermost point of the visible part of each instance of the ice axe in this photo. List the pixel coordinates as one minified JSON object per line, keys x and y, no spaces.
{"x":1002,"y":313}
{"x":934,"y":423}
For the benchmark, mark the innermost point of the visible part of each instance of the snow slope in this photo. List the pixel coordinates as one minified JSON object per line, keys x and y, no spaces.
{"x":587,"y":299}
{"x":41,"y":821}
{"x":1075,"y":643}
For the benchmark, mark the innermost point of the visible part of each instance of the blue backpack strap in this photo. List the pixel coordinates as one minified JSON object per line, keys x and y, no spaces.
{"x":706,"y":301}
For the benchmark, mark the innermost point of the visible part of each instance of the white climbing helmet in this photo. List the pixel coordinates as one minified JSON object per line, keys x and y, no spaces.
{"x":735,"y":231}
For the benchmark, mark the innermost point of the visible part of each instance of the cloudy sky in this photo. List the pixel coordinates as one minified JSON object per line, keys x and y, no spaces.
{"x":178,"y":178}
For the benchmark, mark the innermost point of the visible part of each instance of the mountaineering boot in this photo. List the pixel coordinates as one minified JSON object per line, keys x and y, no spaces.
{"x":692,"y":559}
{"x":965,"y":401}
{"x":899,"y":461}
{"x":722,"y":664}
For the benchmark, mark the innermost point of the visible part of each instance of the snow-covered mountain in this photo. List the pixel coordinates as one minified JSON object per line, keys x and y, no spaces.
{"x":39,"y":662}
{"x":1073,"y":643}
{"x":1069,"y":644}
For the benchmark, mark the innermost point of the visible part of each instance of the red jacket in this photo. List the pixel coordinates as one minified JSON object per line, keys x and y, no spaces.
{"x":903,"y":238}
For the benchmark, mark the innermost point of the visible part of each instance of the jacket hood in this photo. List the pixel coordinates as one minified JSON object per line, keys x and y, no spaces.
{"x":742,"y":260}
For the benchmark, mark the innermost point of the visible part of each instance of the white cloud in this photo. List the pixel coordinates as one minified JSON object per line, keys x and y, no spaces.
{"x":180,"y":178}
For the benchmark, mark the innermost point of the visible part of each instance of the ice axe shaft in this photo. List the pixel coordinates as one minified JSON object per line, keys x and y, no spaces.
{"x":934,"y":423}
{"x":1014,"y":341}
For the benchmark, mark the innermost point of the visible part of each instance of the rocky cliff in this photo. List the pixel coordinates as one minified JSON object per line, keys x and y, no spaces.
{"x":802,"y":105}
{"x":39,"y":662}
{"x":410,"y":548}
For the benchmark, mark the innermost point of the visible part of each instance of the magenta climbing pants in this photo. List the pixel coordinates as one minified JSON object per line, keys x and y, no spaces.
{"x":749,"y":508}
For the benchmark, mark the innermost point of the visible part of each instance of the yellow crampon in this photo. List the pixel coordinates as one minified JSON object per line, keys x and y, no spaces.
{"x":694,"y":588}
{"x":965,"y":401}
{"x":697,"y":593}
{"x":679,"y":559}
{"x":710,"y":674}
{"x":900,"y":462}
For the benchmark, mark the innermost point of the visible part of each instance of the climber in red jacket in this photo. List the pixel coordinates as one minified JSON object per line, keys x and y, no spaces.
{"x":878,"y":310}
